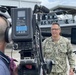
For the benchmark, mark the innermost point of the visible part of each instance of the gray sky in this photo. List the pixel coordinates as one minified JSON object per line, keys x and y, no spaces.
{"x":52,"y":3}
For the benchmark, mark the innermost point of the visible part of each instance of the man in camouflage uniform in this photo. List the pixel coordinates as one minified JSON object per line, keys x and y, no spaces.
{"x":59,"y":49}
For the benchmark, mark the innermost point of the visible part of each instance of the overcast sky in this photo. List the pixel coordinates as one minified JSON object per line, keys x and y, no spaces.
{"x":52,"y":3}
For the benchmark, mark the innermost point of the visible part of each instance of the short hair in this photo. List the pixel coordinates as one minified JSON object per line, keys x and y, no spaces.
{"x":55,"y":23}
{"x":3,"y":26}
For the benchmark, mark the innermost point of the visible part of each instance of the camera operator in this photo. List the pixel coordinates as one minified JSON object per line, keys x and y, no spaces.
{"x":4,"y":59}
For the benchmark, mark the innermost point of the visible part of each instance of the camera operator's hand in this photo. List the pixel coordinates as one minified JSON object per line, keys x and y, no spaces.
{"x":15,"y":72}
{"x":71,"y":72}
{"x":13,"y":67}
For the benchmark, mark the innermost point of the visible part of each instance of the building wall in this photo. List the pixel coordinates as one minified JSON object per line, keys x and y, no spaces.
{"x":20,"y":3}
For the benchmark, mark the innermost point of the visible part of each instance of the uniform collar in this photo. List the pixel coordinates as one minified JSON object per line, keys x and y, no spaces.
{"x":6,"y":58}
{"x":59,"y":41}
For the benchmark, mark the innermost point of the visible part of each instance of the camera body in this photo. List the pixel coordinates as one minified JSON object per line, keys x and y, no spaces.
{"x":22,"y":27}
{"x":26,"y":37}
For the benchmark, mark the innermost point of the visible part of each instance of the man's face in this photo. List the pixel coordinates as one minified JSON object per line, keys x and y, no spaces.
{"x":55,"y":30}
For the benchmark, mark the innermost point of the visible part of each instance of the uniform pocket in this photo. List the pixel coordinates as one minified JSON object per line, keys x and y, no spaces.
{"x":48,"y":52}
{"x":62,"y":50}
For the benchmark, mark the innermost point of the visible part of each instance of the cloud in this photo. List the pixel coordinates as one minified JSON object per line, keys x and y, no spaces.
{"x":69,"y":2}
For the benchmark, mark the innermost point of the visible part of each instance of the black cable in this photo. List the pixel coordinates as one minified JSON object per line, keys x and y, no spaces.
{"x":40,"y":43}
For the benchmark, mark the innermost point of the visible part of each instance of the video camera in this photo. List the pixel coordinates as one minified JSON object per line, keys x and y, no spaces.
{"x":26,"y":37}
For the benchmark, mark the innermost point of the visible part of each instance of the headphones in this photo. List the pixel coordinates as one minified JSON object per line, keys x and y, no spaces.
{"x":8,"y":31}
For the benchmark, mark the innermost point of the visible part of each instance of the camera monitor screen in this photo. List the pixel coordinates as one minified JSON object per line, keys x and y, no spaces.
{"x":21,"y":27}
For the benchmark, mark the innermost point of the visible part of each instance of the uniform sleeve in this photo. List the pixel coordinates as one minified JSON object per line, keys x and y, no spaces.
{"x":2,"y":70}
{"x":71,"y":55}
{"x":43,"y":47}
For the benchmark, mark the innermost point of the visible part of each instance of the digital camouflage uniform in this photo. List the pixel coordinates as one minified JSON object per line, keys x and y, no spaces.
{"x":59,"y":52}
